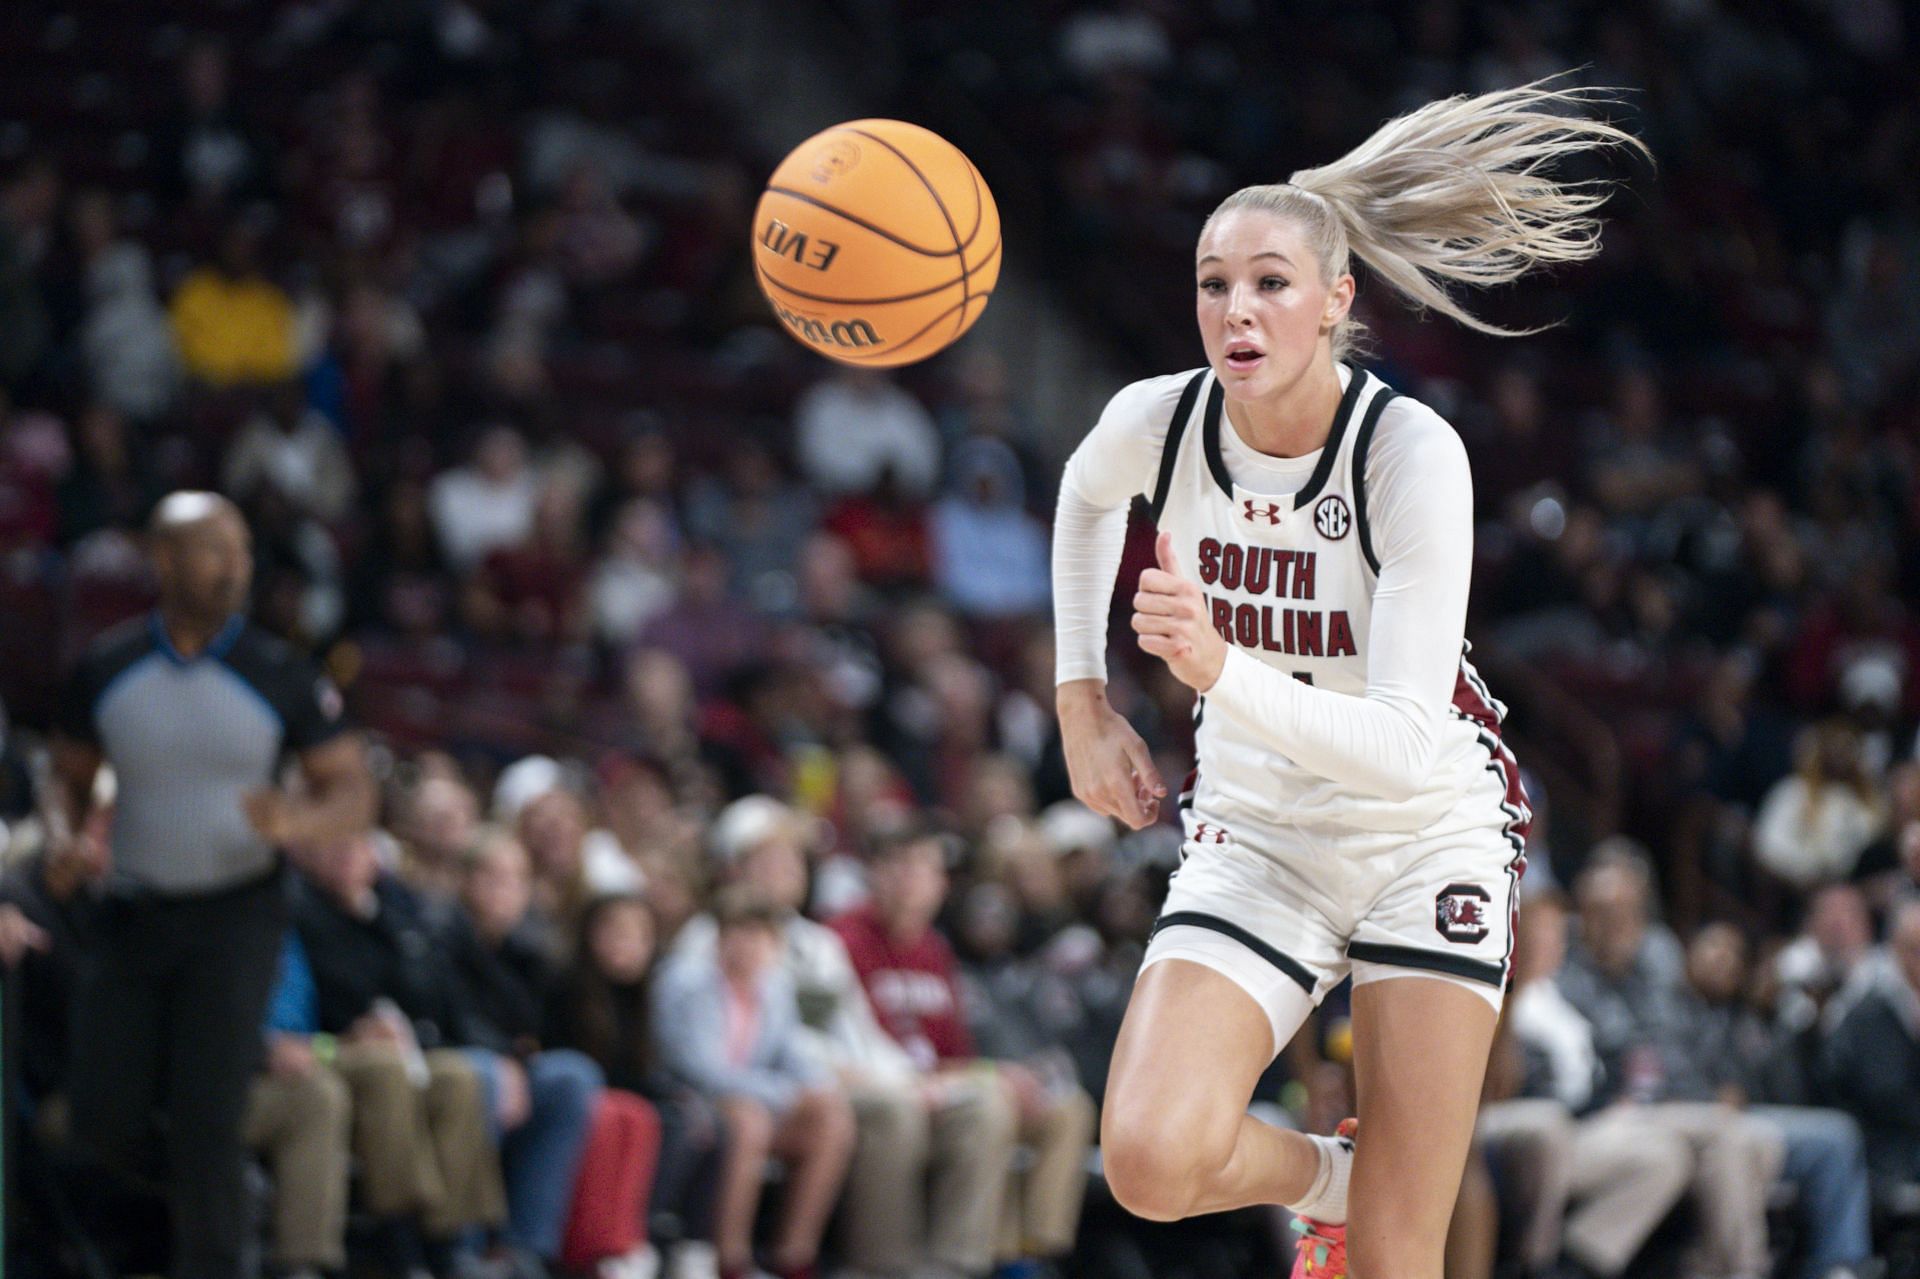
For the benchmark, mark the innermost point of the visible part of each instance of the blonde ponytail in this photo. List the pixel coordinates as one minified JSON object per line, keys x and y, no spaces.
{"x":1453,"y":192}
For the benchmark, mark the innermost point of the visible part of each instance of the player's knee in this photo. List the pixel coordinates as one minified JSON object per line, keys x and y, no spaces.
{"x":1155,"y":1170}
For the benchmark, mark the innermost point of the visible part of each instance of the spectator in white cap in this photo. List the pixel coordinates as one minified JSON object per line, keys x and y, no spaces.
{"x":573,"y":861}
{"x":1019,"y":854}
{"x":933,"y":1150}
{"x":1871,"y":691}
{"x":1083,"y":840}
{"x":748,"y":822}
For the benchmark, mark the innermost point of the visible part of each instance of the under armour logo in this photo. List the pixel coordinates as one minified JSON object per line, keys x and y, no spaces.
{"x":1332,"y":518}
{"x":1271,"y":513}
{"x":1208,"y":833}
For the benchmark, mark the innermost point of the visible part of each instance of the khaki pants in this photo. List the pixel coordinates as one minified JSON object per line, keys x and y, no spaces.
{"x":926,"y":1184}
{"x":1532,"y":1139}
{"x":1597,"y":1187}
{"x":1041,"y":1215}
{"x":423,"y":1150}
{"x":1736,"y":1158}
{"x":299,"y":1124}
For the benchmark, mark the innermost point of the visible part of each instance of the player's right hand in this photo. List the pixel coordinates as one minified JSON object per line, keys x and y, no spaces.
{"x":1110,"y":766}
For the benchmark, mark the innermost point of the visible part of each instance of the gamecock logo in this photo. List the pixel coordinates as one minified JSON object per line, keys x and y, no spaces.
{"x":1460,"y":913}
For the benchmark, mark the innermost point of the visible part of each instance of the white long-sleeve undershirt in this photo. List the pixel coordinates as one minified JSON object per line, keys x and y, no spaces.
{"x":1420,"y":505}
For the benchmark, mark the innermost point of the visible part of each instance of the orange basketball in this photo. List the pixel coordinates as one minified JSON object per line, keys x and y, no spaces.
{"x":877,"y":243}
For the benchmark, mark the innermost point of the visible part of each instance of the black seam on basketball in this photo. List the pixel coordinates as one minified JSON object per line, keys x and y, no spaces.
{"x":884,"y":234}
{"x":979,"y":203}
{"x":1286,"y":963}
{"x":968,"y":242}
{"x":959,"y":249}
{"x":902,"y":297}
{"x":1323,"y":469}
{"x":1494,"y":975}
{"x":904,"y":343}
{"x":1170,"y":448}
{"x":1361,"y":444}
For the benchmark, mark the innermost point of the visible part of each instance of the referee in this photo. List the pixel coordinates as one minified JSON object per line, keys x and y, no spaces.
{"x":195,"y":709}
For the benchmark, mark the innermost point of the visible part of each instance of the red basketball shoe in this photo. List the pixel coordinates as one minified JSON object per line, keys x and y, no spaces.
{"x":1322,"y":1251}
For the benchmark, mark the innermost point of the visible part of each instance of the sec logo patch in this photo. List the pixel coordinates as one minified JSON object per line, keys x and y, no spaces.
{"x":1331,"y":518}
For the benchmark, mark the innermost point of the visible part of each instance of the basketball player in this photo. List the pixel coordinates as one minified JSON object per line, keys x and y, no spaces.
{"x":1353,"y":811}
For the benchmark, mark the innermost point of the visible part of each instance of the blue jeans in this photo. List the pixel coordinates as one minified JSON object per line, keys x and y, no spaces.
{"x":1827,"y":1160}
{"x":539,"y":1158}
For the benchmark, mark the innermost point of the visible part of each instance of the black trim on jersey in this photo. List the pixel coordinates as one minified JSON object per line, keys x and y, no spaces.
{"x":1170,"y":451}
{"x":1285,"y":963}
{"x":1361,"y":444}
{"x":1435,"y":961}
{"x":1210,"y":439}
{"x":1187,"y":792}
{"x":1217,"y":463}
{"x":1323,"y":470}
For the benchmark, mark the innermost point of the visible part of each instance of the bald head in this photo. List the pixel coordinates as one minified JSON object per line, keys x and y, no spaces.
{"x":203,"y":556}
{"x":183,"y":509}
{"x":1613,"y":898}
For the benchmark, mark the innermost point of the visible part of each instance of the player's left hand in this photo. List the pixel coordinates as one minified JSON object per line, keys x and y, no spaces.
{"x":1170,"y":616}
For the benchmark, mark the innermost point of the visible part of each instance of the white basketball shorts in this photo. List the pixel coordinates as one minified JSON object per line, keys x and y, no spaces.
{"x":1286,"y":910}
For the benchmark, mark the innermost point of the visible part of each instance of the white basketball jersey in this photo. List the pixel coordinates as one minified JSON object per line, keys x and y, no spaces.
{"x":1289,"y":579}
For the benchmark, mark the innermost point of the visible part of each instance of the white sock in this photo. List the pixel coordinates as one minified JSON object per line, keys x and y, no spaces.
{"x":1326,"y":1199}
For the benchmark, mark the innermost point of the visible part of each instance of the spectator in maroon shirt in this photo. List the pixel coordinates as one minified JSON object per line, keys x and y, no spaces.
{"x":905,"y":963}
{"x":912,"y":980}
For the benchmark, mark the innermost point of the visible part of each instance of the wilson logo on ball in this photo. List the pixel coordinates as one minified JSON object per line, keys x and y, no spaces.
{"x":851,"y":334}
{"x":789,"y":243}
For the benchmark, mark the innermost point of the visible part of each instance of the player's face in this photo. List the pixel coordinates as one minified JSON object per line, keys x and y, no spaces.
{"x":1262,"y":306}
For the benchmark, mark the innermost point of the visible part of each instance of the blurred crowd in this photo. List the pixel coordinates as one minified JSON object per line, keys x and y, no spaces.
{"x":693,"y":666}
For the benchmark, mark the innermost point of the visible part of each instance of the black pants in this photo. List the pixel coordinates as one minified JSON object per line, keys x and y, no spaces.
{"x":168,"y":1019}
{"x":686,"y":1174}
